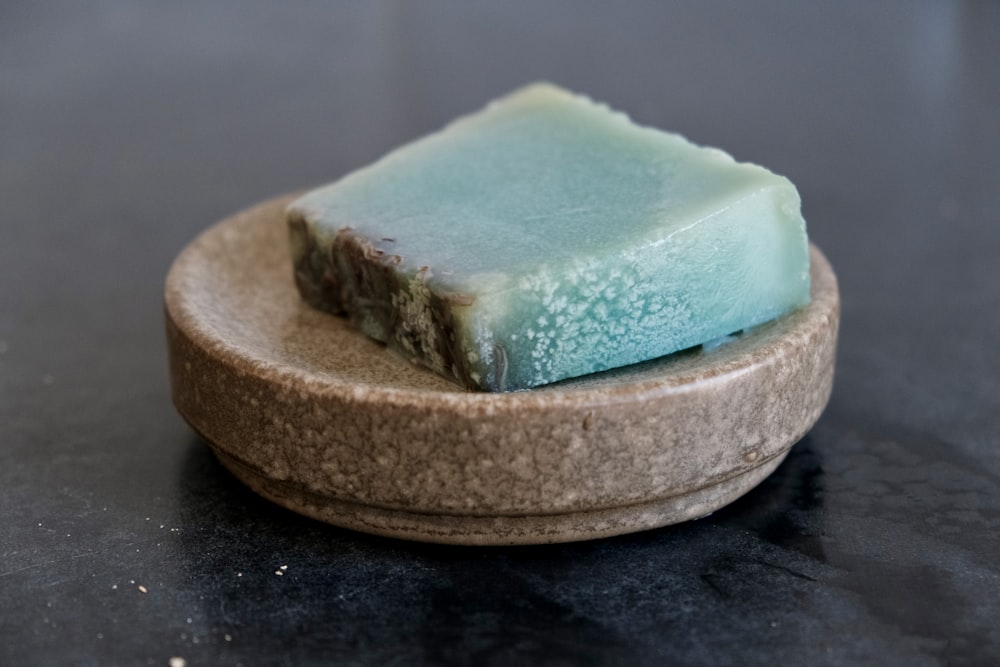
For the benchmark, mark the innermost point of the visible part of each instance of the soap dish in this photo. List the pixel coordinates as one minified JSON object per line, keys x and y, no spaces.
{"x":326,"y":422}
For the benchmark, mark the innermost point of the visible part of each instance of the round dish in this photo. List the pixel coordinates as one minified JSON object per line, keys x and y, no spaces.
{"x":328,"y":423}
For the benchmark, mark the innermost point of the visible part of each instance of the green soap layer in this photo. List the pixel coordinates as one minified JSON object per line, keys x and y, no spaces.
{"x":547,"y":237}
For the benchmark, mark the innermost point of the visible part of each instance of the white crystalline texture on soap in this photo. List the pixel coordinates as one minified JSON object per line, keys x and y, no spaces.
{"x":547,"y":237}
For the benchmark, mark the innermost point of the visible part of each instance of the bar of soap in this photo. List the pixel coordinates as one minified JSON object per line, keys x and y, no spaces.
{"x":546,"y":237}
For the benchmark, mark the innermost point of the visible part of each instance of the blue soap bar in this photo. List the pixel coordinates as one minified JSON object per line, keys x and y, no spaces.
{"x":546,"y":237}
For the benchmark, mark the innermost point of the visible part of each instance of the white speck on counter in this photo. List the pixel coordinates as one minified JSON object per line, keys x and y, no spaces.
{"x":178,"y":661}
{"x":143,"y":589}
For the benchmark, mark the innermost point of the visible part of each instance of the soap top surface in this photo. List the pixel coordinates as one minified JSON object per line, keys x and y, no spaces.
{"x":538,"y":178}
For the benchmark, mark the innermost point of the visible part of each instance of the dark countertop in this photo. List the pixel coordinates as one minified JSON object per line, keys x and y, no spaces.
{"x":126,"y":129}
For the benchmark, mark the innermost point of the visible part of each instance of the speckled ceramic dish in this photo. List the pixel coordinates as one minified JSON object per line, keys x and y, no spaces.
{"x":326,"y":422}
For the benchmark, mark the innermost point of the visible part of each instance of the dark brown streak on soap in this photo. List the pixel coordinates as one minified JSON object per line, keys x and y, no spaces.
{"x":356,"y":278}
{"x":500,"y":367}
{"x":458,"y":299}
{"x":312,"y":274}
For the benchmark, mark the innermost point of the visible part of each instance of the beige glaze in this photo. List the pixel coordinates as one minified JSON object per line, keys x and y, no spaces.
{"x":326,"y":422}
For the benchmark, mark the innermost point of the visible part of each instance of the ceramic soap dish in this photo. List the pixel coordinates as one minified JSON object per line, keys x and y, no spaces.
{"x":320,"y":419}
